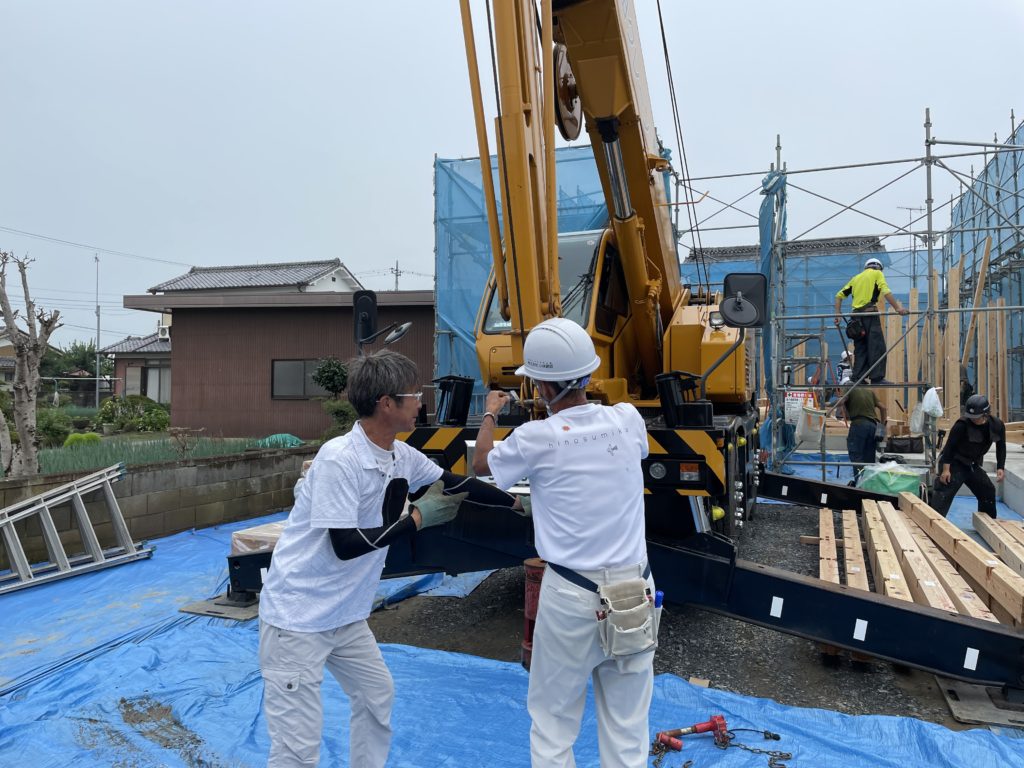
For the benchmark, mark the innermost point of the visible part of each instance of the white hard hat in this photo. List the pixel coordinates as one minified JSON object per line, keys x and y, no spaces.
{"x":845,"y":355}
{"x":872,"y":263}
{"x":558,"y":350}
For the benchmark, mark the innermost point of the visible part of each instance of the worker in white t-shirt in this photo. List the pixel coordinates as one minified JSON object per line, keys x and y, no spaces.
{"x":586,"y":486}
{"x":328,"y":562}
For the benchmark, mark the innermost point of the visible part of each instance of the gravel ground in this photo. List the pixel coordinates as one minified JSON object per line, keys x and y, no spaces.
{"x":731,"y":654}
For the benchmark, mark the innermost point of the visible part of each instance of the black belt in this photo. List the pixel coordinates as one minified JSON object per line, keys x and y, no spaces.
{"x":582,"y":581}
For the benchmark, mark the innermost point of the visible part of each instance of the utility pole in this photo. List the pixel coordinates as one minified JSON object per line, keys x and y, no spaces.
{"x":396,"y":271}
{"x":96,"y":256}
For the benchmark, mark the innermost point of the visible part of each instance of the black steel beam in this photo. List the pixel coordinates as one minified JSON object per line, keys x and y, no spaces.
{"x":708,"y":575}
{"x":814,"y":493}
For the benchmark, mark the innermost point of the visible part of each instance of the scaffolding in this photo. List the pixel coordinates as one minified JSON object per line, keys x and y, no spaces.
{"x":963,"y":284}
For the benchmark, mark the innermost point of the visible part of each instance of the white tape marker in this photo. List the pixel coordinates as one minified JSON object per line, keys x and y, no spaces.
{"x":971,"y":659}
{"x":785,"y":490}
{"x":776,"y":611}
{"x":824,"y":499}
{"x":263,"y":575}
{"x":860,"y":630}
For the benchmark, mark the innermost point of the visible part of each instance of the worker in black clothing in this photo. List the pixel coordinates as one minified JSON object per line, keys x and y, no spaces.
{"x":960,"y":461}
{"x":866,"y":289}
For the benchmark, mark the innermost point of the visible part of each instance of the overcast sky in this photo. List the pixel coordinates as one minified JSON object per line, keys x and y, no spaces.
{"x":206,"y":132}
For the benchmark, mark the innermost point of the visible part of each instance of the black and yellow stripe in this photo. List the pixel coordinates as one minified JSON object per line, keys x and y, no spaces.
{"x":448,"y":442}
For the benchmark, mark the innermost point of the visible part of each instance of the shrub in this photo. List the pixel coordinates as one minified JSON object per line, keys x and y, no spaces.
{"x":343,"y":416}
{"x":80,"y":422}
{"x":52,"y":427}
{"x":332,"y":375}
{"x":154,"y":420}
{"x":82,"y":438}
{"x":126,"y":413}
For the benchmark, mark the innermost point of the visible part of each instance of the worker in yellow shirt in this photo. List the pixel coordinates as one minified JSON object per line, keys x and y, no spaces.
{"x":865,"y":328}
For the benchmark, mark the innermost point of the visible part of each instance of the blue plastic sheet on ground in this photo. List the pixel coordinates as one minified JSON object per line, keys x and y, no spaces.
{"x":103,"y":670}
{"x":53,"y":625}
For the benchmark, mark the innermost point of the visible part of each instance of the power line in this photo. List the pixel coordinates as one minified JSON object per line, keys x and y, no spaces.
{"x":93,"y":248}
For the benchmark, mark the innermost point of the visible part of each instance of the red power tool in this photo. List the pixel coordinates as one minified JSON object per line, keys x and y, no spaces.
{"x":715,"y":725}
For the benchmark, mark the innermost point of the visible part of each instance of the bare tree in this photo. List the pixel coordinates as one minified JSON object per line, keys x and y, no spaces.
{"x":29,"y":348}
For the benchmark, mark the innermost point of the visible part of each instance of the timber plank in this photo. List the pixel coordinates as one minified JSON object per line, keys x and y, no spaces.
{"x":853,"y":553}
{"x":924,"y":584}
{"x":951,"y":392}
{"x":884,"y":565}
{"x":913,"y":357}
{"x":828,"y":560}
{"x":1001,"y":540}
{"x":966,"y":600}
{"x":1000,"y":581}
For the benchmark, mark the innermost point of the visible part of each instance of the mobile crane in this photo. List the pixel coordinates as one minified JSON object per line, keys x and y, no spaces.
{"x":681,"y":357}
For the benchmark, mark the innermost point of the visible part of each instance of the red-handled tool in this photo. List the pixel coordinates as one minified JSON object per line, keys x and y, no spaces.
{"x":715,"y":725}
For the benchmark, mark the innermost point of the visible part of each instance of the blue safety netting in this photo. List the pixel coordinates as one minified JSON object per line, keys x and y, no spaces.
{"x":993,"y":207}
{"x":120,"y":677}
{"x":463,"y":247}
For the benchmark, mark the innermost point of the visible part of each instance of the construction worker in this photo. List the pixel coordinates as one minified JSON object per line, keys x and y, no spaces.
{"x":328,"y":562}
{"x":866,"y":289}
{"x":844,"y":368}
{"x":866,"y":413}
{"x":960,"y":461}
{"x":586,"y":484}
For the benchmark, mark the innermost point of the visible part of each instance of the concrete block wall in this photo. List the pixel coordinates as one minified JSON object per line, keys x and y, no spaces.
{"x":160,"y":499}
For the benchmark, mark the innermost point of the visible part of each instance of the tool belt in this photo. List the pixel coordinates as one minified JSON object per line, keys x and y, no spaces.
{"x":628,"y":620}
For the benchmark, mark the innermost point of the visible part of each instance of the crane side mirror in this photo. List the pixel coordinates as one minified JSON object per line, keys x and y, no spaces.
{"x":364,"y":316}
{"x":745,"y":300}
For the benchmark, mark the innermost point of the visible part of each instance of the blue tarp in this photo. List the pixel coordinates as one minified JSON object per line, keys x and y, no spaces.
{"x":103,"y":670}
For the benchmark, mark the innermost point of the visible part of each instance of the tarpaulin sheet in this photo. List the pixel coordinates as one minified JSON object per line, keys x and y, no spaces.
{"x":189,"y":695}
{"x":53,"y":625}
{"x":103,"y":670}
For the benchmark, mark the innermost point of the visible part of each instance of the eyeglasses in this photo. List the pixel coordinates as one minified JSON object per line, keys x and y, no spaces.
{"x":417,"y":395}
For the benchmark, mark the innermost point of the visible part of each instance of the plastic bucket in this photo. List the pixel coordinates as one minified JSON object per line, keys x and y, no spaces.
{"x":534,"y":568}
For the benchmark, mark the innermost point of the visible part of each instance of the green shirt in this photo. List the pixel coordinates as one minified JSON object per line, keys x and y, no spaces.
{"x":866,"y":288}
{"x":861,"y":404}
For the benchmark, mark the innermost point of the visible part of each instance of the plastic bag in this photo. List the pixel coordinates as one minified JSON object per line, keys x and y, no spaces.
{"x":891,"y":477}
{"x":917,"y":420}
{"x":931,"y":403}
{"x":810,"y":426}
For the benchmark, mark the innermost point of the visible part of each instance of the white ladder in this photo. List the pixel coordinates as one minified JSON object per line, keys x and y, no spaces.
{"x":23,"y":574}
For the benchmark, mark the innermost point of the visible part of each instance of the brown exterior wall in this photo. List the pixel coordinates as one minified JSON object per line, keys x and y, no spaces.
{"x":221,"y":364}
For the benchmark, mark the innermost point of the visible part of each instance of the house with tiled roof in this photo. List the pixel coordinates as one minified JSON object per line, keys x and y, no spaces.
{"x":247,"y":339}
{"x":142,"y":365}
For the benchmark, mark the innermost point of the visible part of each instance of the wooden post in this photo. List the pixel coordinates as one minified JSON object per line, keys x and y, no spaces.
{"x":995,"y":352}
{"x":913,"y":360}
{"x":981,"y":360}
{"x":951,"y":391}
{"x":1003,"y":362}
{"x":934,"y":370}
{"x":891,"y":328}
{"x":979,"y":287}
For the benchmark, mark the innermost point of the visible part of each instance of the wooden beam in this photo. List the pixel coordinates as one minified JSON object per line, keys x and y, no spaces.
{"x":966,"y":600}
{"x":1003,"y":543}
{"x":1013,"y":528}
{"x":935,"y":367}
{"x":951,"y":393}
{"x":1003,"y":361}
{"x":828,"y":560}
{"x":1002,"y":616}
{"x":994,"y":576}
{"x":979,"y":288}
{"x":853,"y":553}
{"x":913,"y":358}
{"x":981,"y":367}
{"x":815,"y":540}
{"x":994,"y":353}
{"x":885,"y":567}
{"x":924,"y":584}
{"x":891,"y":328}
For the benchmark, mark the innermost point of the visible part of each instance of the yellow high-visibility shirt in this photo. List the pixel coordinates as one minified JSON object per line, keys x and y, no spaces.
{"x":867,"y":288}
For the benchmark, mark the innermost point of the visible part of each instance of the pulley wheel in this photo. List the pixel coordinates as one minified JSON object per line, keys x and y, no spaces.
{"x":568,"y":109}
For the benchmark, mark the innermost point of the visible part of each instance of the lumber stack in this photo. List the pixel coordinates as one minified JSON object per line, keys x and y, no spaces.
{"x":914,"y":554}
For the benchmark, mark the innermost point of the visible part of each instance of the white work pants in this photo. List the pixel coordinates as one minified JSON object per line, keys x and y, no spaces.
{"x":566,"y":652}
{"x":293,"y":663}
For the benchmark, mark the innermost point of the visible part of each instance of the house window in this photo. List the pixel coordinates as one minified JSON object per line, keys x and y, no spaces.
{"x":293,"y":379}
{"x":8,"y":376}
{"x":156,"y":383}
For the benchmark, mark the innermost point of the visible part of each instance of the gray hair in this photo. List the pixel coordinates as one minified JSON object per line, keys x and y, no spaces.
{"x":373,"y":376}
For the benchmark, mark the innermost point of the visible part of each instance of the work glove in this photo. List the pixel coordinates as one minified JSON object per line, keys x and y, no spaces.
{"x":525,"y":506}
{"x":436,"y":508}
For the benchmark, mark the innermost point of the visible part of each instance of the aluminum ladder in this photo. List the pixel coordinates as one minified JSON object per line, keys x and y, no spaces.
{"x":23,"y":574}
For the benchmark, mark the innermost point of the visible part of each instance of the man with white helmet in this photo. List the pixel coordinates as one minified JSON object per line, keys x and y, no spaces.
{"x":597,"y":616}
{"x":866,"y":288}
